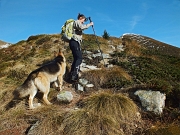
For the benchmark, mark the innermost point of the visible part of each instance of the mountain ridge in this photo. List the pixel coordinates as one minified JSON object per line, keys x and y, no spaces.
{"x":154,"y":44}
{"x":2,"y":42}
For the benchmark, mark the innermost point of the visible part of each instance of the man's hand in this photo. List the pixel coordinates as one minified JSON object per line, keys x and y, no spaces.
{"x":91,"y":23}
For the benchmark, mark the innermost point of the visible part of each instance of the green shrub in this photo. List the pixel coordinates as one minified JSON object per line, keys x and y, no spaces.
{"x":106,"y":35}
{"x":145,"y":70}
{"x":16,"y":74}
{"x":42,"y":40}
{"x":34,"y":37}
{"x":116,"y":82}
{"x":20,"y":42}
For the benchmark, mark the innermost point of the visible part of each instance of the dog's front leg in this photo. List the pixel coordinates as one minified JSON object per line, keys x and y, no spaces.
{"x":59,"y":83}
{"x":45,"y":98}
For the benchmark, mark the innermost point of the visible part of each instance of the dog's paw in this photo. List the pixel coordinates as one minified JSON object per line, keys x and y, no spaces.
{"x":37,"y":105}
{"x":31,"y":107}
{"x":49,"y":103}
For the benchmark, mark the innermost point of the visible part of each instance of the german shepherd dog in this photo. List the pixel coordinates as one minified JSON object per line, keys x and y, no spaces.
{"x":41,"y":78}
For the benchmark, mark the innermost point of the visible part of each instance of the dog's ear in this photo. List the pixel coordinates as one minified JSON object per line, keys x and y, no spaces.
{"x":60,"y":52}
{"x":55,"y":54}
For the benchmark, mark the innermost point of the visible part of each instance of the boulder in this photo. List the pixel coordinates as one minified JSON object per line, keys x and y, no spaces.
{"x":152,"y":100}
{"x":65,"y":96}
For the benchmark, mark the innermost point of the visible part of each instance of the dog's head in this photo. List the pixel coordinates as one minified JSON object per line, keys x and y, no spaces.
{"x":59,"y":56}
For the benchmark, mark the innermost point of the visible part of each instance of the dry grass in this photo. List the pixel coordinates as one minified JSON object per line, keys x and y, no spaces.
{"x":87,"y":123}
{"x":103,"y":113}
{"x":103,"y":43}
{"x":117,"y":105}
{"x":107,"y":75}
{"x":161,"y":129}
{"x":134,"y":49}
{"x":12,"y":118}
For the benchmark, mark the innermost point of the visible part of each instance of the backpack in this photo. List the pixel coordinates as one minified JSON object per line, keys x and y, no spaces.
{"x":67,"y":30}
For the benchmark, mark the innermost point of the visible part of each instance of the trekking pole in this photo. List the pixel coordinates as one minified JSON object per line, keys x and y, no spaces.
{"x":97,"y":42}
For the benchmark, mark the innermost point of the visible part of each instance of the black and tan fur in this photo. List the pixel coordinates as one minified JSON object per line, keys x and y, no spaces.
{"x":41,"y":78}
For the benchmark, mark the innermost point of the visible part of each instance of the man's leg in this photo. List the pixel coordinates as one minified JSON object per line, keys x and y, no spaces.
{"x":77,"y":55}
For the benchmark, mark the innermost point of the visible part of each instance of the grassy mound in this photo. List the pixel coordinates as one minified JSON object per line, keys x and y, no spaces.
{"x":103,"y":114}
{"x":115,"y":77}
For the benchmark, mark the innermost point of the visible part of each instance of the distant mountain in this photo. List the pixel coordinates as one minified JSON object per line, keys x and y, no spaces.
{"x":4,"y":44}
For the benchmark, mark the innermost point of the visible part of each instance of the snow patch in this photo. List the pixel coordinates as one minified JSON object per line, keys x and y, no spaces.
{"x":5,"y":46}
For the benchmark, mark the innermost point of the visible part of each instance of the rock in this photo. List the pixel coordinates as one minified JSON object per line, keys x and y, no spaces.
{"x":89,"y":85}
{"x":79,"y":87}
{"x":83,"y":81}
{"x":96,"y":55}
{"x":106,"y":56}
{"x":87,"y":52}
{"x":83,"y":64}
{"x":89,"y":57}
{"x":110,"y":66}
{"x":112,"y":47}
{"x":92,"y":67}
{"x":65,"y":96}
{"x":37,"y":104}
{"x":105,"y":61}
{"x":84,"y":67}
{"x":152,"y":100}
{"x":120,"y":48}
{"x":33,"y":129}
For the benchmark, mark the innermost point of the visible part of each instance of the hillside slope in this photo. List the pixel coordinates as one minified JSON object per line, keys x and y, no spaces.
{"x":142,"y":63}
{"x":152,"y":44}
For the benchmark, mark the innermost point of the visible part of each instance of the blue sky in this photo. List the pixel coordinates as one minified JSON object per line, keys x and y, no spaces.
{"x":160,"y":20}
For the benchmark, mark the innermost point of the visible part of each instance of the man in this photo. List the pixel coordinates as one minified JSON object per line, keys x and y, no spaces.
{"x":75,"y":45}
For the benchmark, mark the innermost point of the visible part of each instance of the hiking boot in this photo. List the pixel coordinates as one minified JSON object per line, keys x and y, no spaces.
{"x":74,"y":78}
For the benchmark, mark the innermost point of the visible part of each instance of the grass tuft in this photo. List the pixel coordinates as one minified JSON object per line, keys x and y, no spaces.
{"x":107,"y":103}
{"x":88,"y":123}
{"x":103,"y":114}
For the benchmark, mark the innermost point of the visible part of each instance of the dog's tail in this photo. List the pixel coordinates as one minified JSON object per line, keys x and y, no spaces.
{"x":24,"y":89}
{"x":18,"y":93}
